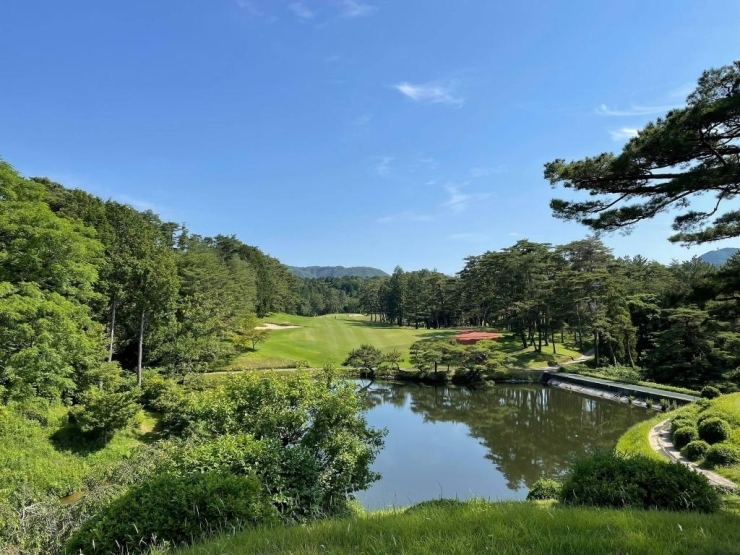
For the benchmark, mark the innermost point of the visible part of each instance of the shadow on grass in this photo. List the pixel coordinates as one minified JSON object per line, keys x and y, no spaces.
{"x":71,"y":439}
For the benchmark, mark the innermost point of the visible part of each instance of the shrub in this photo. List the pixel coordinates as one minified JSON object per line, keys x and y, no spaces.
{"x":684,"y":436}
{"x":665,"y":405}
{"x":714,"y":430}
{"x":681,"y":421}
{"x":696,"y":449}
{"x":609,"y":479}
{"x":710,"y":392}
{"x":649,"y":403}
{"x":722,"y":454}
{"x":544,"y":489}
{"x":103,"y":412}
{"x":174,"y":510}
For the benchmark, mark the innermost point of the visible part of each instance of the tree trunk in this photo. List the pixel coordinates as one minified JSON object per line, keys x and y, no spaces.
{"x":141,"y":348}
{"x":553,"y":343}
{"x":596,"y":348}
{"x":112,"y":328}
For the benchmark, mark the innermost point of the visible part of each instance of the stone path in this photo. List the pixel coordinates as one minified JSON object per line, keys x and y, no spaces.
{"x":660,"y":441}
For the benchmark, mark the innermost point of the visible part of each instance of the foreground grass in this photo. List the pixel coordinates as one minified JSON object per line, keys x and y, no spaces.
{"x":328,"y":339}
{"x":497,"y":528}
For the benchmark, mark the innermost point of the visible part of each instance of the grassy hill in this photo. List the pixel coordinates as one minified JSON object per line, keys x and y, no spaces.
{"x":335,"y":271}
{"x":501,"y":528}
{"x":324,"y":339}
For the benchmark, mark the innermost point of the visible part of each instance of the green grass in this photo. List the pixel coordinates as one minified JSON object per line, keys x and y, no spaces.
{"x":496,"y":528}
{"x":635,"y":440}
{"x":528,"y":358}
{"x":49,"y":460}
{"x":328,"y":339}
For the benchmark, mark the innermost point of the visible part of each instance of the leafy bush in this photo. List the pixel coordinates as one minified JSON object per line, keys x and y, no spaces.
{"x":665,"y":404}
{"x":544,"y":489}
{"x":609,"y":479}
{"x":722,"y":454}
{"x":174,"y":510}
{"x":103,"y":412}
{"x":695,"y":450}
{"x":681,"y":421}
{"x":684,"y":436}
{"x":316,"y":436}
{"x":714,"y":430}
{"x":710,"y":392}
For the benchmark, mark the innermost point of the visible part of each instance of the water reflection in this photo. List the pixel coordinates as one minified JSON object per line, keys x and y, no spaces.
{"x":492,"y":443}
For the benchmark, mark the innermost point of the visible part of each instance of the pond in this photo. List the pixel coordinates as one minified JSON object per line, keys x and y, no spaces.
{"x":493,"y":443}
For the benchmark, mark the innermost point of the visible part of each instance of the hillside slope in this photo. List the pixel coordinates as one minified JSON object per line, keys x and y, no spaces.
{"x":335,"y":271}
{"x":718,"y":257}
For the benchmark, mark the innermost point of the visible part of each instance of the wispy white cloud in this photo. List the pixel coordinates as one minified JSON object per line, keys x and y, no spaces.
{"x":250,"y":7}
{"x":362,"y":120}
{"x":332,"y":59}
{"x":469,"y":237}
{"x":514,"y":234}
{"x":486,"y":171}
{"x":383,"y":167}
{"x":405,"y":216}
{"x":458,"y":201}
{"x":300,"y":10}
{"x":433,"y":93}
{"x":604,"y":110}
{"x":623,"y":133}
{"x":354,"y":8}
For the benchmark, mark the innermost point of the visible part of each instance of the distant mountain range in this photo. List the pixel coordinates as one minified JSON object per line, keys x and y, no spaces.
{"x":335,"y":271}
{"x":719,"y":256}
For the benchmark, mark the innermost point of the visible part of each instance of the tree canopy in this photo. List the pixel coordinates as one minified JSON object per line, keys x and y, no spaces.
{"x":692,"y":151}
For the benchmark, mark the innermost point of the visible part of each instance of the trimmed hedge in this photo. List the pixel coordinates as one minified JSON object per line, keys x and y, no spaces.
{"x":609,"y":479}
{"x":722,"y":454}
{"x":714,"y":430}
{"x":696,"y":450}
{"x":684,"y":436}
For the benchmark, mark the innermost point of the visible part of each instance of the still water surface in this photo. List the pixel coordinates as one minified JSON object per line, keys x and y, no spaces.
{"x":492,"y":443}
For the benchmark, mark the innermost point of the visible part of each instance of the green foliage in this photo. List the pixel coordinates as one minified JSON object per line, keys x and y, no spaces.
{"x":609,"y":479}
{"x":102,"y":412}
{"x":247,"y":334}
{"x":638,"y":176}
{"x":722,"y":454}
{"x":695,"y":450}
{"x":684,"y":436}
{"x":713,"y":430}
{"x":544,"y":489}
{"x":174,"y":510}
{"x":709,"y":392}
{"x":366,"y":359}
{"x":317,"y":435}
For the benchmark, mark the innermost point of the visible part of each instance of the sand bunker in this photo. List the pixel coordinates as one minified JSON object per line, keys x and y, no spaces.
{"x":276,"y":327}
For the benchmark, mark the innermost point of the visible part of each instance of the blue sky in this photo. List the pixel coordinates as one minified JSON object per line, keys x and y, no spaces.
{"x":348,"y":132}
